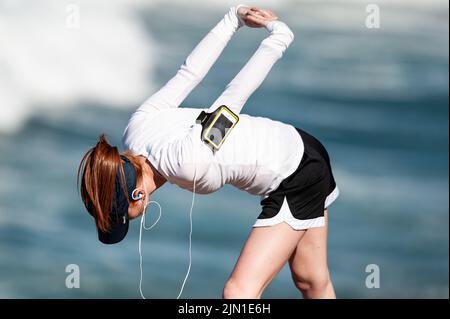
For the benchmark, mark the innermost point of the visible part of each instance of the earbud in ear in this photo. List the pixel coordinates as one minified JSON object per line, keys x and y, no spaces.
{"x":135,"y":195}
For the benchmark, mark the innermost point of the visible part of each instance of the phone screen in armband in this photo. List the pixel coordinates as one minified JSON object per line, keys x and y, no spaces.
{"x":217,"y":126}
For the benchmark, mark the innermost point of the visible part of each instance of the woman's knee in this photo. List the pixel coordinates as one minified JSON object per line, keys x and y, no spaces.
{"x":238,"y":290}
{"x":313,"y":280}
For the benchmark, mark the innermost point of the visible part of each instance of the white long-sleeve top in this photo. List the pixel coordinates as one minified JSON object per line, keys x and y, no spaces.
{"x":257,"y":154}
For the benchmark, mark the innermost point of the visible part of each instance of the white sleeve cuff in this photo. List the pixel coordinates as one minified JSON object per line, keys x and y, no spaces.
{"x":279,"y":27}
{"x":241,"y":22}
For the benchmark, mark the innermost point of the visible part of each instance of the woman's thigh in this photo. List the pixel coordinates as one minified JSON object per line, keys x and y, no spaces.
{"x":308,"y":262}
{"x":265,"y":252}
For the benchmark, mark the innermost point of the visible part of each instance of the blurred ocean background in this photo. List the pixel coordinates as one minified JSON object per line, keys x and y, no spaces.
{"x":377,"y":98}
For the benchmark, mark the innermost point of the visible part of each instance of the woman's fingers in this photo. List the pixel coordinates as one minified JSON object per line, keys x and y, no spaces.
{"x":257,"y":12}
{"x":255,"y":8}
{"x":256,"y":17}
{"x":271,"y":14}
{"x":263,"y":13}
{"x":255,"y":21}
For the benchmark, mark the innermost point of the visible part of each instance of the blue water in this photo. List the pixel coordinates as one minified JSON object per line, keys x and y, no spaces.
{"x":377,"y":99}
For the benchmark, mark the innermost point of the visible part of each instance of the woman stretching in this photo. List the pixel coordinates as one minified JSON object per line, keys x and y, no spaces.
{"x":286,"y":166}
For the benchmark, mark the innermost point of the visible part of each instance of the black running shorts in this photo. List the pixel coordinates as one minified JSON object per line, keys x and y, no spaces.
{"x":301,"y":198}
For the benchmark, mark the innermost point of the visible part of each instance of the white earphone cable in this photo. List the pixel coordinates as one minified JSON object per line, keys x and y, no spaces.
{"x":190,"y":229}
{"x":142,"y":226}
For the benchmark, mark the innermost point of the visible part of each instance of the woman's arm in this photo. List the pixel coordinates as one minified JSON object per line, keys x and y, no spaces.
{"x":255,"y":71}
{"x":197,"y":64}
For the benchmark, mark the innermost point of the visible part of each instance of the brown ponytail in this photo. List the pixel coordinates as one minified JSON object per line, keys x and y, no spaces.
{"x":96,"y":179}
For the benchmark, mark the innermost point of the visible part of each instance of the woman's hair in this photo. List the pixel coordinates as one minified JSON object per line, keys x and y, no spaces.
{"x":97,"y":176}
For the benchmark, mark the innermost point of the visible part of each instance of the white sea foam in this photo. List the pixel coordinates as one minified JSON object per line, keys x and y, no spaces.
{"x":44,"y":64}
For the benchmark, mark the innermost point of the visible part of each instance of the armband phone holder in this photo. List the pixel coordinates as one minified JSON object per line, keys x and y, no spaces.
{"x":216,"y":126}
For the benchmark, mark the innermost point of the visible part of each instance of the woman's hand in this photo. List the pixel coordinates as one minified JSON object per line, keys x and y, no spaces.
{"x":255,"y":17}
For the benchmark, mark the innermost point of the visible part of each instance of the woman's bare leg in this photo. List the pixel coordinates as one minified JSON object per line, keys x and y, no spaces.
{"x":265,"y":252}
{"x":308,"y":264}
